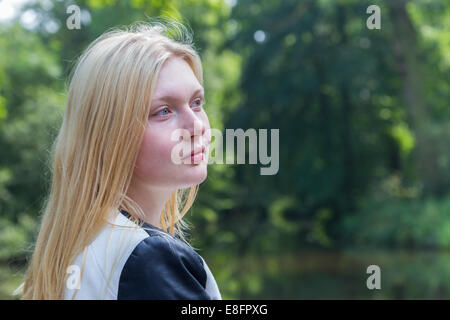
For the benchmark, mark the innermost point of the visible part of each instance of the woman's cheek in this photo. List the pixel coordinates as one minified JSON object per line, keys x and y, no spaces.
{"x":149,"y":157}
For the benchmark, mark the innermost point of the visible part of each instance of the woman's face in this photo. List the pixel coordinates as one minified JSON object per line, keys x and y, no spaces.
{"x":176,"y":107}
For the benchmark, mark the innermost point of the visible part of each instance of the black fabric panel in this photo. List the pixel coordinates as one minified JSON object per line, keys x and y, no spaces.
{"x":161,"y":267}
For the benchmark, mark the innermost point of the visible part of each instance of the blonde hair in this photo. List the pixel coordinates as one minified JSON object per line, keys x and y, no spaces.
{"x":94,"y":153}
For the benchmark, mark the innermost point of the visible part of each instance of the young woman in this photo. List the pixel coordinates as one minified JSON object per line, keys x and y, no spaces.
{"x":112,"y":224}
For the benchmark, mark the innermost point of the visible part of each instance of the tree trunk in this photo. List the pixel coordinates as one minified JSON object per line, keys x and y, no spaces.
{"x":405,"y":46}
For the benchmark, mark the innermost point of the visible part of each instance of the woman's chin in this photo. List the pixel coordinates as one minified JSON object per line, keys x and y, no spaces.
{"x":197,"y":175}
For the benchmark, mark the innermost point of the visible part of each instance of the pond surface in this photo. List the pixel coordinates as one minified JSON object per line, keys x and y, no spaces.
{"x":339,"y":275}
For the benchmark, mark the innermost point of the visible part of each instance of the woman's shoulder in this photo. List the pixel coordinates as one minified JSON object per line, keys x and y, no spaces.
{"x":130,"y":261}
{"x":164,"y":267}
{"x":155,"y":239}
{"x":161,"y":267}
{"x":102,"y":260}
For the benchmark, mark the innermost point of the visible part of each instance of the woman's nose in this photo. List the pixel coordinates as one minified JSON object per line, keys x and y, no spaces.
{"x":193,"y":124}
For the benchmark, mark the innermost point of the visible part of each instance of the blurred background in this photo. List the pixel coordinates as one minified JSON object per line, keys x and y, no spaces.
{"x":364,"y":120}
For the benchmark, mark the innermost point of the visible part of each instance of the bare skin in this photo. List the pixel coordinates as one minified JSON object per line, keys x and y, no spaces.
{"x":155,"y":175}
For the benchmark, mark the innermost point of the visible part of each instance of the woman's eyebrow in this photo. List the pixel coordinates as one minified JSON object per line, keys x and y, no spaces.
{"x":175,"y":98}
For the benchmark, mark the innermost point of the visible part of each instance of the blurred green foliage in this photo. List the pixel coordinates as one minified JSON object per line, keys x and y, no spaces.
{"x":364,"y":126}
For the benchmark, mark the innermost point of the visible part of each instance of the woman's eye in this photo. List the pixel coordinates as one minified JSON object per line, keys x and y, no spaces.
{"x":163,"y":112}
{"x":166,"y":111}
{"x":199,"y":102}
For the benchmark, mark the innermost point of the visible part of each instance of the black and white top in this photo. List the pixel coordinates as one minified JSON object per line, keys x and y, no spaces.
{"x":126,"y":261}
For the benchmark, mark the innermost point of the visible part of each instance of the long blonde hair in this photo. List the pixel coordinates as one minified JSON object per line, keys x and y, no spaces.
{"x":94,"y":153}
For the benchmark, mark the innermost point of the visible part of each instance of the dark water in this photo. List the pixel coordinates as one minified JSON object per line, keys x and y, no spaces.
{"x":340,"y":275}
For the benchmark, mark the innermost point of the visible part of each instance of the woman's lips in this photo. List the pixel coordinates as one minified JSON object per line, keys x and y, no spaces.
{"x":198,"y":150}
{"x":197,"y":154}
{"x":197,"y":157}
